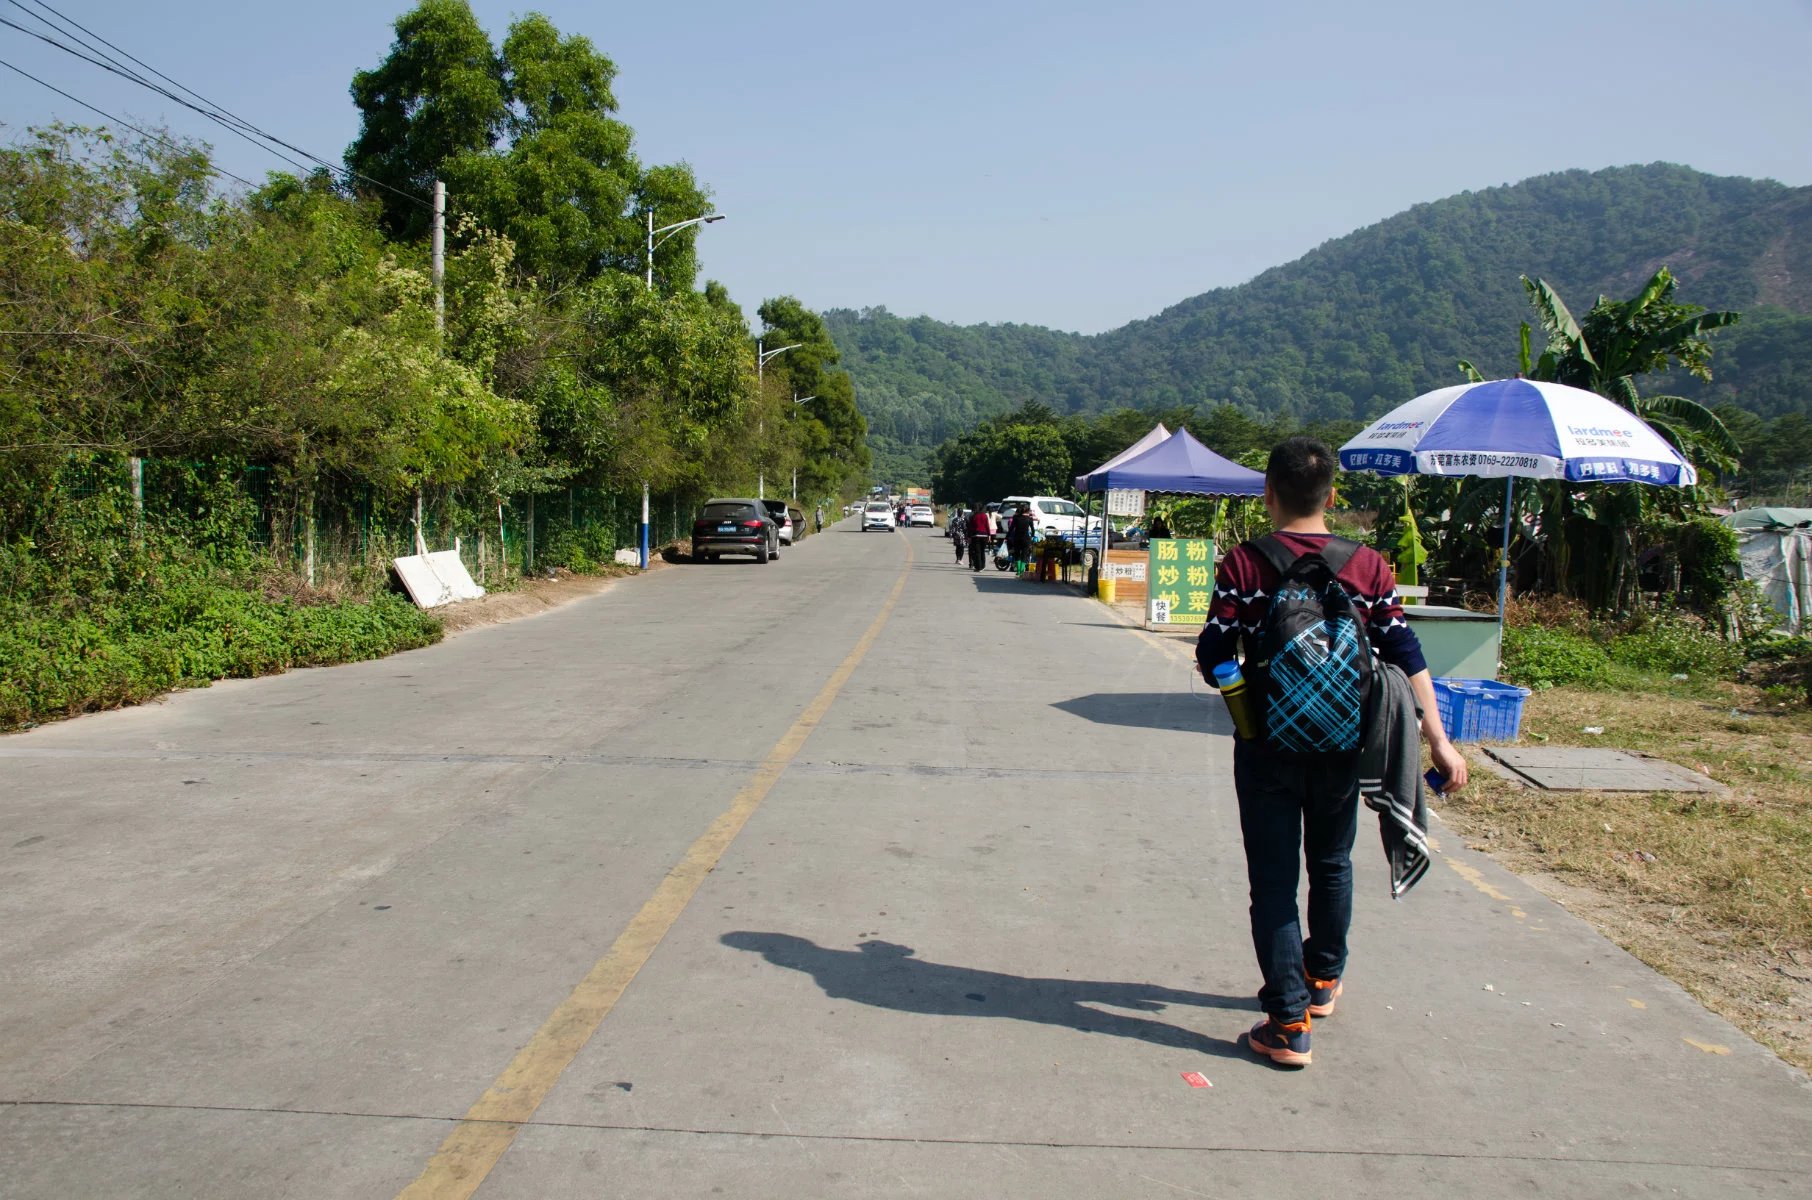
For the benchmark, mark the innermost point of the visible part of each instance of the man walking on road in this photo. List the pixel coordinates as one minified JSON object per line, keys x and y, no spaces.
{"x":1292,"y":805}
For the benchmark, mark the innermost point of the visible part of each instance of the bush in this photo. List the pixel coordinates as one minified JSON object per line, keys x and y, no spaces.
{"x":156,"y":614}
{"x":1541,"y":657}
{"x":581,"y":549}
{"x":1671,"y":645}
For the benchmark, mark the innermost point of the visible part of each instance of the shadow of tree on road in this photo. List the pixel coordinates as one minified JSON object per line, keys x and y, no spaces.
{"x":887,"y":975}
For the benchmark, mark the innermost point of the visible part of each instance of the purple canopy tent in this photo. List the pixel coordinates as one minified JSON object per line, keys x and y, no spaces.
{"x":1179,"y":465}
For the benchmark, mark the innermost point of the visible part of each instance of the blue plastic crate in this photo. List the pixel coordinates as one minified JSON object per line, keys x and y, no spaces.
{"x":1480,"y":710}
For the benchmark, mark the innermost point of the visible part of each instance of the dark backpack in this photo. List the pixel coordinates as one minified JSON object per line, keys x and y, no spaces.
{"x":1313,"y":658}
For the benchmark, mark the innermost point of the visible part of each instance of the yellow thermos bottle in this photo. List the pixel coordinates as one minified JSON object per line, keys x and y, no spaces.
{"x":1239,"y":700}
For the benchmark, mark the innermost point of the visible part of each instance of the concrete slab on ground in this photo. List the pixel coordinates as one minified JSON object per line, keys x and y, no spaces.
{"x":1589,"y":769}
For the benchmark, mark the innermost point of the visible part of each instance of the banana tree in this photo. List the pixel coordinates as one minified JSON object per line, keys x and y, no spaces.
{"x":1408,"y":552}
{"x":1618,"y":341}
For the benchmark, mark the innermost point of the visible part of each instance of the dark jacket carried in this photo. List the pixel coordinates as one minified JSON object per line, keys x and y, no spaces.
{"x":1390,"y":777}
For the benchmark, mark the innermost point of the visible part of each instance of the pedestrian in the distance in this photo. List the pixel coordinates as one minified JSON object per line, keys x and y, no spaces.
{"x":1297,"y":806}
{"x":818,"y":519}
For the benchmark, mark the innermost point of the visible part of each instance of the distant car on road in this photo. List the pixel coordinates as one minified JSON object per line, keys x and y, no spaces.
{"x":920,"y":514}
{"x":783,"y":519}
{"x":877,"y":514}
{"x":734,"y":525}
{"x":1052,"y":515}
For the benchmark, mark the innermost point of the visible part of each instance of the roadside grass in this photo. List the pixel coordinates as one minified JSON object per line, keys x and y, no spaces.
{"x":61,"y":658}
{"x":1713,"y":891}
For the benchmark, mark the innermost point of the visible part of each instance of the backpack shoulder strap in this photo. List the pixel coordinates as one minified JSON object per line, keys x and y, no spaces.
{"x":1338,"y":552}
{"x":1272,"y":550}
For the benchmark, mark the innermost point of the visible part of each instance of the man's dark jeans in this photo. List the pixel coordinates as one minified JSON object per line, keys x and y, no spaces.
{"x":1289,"y":808}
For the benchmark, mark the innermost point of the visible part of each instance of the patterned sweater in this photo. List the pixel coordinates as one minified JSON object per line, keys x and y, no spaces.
{"x":1244,"y":581}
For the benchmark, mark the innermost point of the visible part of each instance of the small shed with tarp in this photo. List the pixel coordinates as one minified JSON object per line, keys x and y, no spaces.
{"x":1775,"y":545}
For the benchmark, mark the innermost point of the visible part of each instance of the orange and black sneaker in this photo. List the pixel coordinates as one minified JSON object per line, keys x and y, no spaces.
{"x":1283,"y":1042}
{"x":1322,"y":994}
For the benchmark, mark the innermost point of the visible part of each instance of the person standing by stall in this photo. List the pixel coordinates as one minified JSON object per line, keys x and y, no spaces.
{"x":1019,"y":536}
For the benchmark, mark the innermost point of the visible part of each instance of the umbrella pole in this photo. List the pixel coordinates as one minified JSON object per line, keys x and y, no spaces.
{"x":1503,"y":566}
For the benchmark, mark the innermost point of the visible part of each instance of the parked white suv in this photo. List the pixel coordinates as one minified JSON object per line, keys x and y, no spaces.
{"x":1052,"y":514}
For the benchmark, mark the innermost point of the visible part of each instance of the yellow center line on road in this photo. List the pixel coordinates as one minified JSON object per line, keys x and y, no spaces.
{"x":489,"y":1127}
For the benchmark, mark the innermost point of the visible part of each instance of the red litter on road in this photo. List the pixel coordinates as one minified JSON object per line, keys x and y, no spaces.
{"x":1196,"y":1079}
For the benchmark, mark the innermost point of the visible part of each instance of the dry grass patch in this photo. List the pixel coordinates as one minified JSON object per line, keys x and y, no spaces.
{"x":1715,"y":892}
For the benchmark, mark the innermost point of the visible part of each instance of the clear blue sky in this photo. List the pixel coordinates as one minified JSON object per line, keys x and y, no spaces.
{"x":1049,"y":162}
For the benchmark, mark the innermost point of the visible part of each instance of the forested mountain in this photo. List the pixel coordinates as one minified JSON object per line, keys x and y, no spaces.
{"x":1368,"y":320}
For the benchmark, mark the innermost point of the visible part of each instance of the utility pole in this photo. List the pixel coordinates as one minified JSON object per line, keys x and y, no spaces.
{"x":438,"y":261}
{"x":644,"y":529}
{"x":440,"y":255}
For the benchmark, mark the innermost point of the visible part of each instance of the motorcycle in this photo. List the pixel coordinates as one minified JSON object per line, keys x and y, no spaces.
{"x":1003,"y":556}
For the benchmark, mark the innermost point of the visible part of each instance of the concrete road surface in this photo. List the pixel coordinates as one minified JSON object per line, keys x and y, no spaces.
{"x":854,"y":874}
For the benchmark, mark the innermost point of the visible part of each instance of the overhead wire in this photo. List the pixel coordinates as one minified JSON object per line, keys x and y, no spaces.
{"x":135,"y":78}
{"x":215,"y":111}
{"x":227,"y":120}
{"x":121,"y":121}
{"x":72,"y":23}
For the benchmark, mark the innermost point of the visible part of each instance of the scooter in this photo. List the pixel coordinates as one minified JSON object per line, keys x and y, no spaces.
{"x":1003,"y":556}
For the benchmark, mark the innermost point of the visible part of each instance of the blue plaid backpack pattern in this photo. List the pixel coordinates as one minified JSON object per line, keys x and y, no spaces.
{"x":1312,"y":653}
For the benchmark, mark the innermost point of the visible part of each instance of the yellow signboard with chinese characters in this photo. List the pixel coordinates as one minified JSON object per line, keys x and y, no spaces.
{"x":1180,"y":574}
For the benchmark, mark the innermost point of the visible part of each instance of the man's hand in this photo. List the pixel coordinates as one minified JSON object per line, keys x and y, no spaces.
{"x":1447,"y":760}
{"x":1450,"y":763}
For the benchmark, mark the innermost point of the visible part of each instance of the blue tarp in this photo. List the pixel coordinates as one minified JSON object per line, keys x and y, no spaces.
{"x":1179,"y":464}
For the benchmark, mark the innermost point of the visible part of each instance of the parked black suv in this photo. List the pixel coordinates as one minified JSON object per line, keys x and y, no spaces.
{"x":734,"y":526}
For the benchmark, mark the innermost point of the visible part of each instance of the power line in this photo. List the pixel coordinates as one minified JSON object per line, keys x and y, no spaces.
{"x":118,"y":121}
{"x":214,"y":112}
{"x":135,"y":78}
{"x":226,"y":120}
{"x":72,"y":22}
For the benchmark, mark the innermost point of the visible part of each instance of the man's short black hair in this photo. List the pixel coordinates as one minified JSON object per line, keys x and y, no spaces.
{"x":1301,"y":475}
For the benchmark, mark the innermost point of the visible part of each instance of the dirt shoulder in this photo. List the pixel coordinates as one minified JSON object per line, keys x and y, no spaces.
{"x":1713,"y":891}
{"x":532,"y":596}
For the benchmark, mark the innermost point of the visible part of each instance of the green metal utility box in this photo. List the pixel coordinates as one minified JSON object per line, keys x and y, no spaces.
{"x":1457,"y":643}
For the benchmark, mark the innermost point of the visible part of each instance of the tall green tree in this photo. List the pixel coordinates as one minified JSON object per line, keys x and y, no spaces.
{"x":437,"y":97}
{"x":829,"y":432}
{"x":527,"y":140}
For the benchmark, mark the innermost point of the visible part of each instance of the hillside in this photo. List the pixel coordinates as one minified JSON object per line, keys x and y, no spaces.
{"x":1368,"y":320}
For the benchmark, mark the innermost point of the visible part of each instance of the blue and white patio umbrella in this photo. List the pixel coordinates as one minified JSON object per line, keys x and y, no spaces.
{"x":1517,"y":427}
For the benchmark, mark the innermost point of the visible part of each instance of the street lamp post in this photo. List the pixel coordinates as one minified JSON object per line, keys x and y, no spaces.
{"x":761,"y":425}
{"x":797,"y":401}
{"x":667,"y":231}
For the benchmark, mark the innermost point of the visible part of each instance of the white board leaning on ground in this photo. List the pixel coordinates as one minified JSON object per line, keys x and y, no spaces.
{"x":436,"y":579}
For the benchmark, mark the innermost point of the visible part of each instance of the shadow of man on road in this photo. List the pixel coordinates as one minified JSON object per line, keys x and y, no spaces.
{"x":1176,"y":710}
{"x":886,"y":975}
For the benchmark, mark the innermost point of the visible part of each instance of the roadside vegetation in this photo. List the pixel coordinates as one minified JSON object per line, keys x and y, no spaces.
{"x":224,"y":409}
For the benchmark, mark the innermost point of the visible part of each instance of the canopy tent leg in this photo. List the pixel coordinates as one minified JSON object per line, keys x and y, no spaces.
{"x":1091,"y":575}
